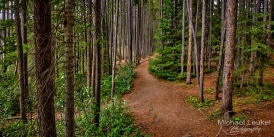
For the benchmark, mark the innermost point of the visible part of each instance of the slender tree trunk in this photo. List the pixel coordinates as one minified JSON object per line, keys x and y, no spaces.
{"x":174,"y":19}
{"x":84,"y":54}
{"x":221,"y":56}
{"x":89,"y":45}
{"x":210,"y":33}
{"x":25,"y":41}
{"x":114,"y":52}
{"x":231,"y":14}
{"x":4,"y":33}
{"x":111,"y":29}
{"x":201,"y":92}
{"x":183,"y":39}
{"x":129,"y":23}
{"x":20,"y":63}
{"x":270,"y":24}
{"x":253,"y":55}
{"x":97,"y":45}
{"x":44,"y":68}
{"x":69,"y":66}
{"x":162,"y":33}
{"x":261,"y":54}
{"x":189,"y":54}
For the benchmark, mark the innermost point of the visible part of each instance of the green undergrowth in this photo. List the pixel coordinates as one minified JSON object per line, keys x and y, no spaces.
{"x":115,"y":117}
{"x":165,"y":69}
{"x":9,"y":96}
{"x":257,"y":93}
{"x":193,"y":100}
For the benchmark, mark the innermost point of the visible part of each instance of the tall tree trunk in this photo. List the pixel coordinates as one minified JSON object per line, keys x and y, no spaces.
{"x":96,"y":22}
{"x":183,"y":39}
{"x":20,"y":62}
{"x":114,"y":52}
{"x":25,"y":41}
{"x":4,"y":33}
{"x":129,"y":23}
{"x":44,"y":68}
{"x":174,"y":19}
{"x":69,"y":66}
{"x":104,"y":35}
{"x":253,"y":56}
{"x":210,"y":33}
{"x":201,"y":89}
{"x":162,"y":33}
{"x":189,"y":53}
{"x":89,"y":45}
{"x":270,"y":23}
{"x":84,"y":53}
{"x":221,"y":56}
{"x":231,"y":14}
{"x":137,"y":33}
{"x":261,"y":54}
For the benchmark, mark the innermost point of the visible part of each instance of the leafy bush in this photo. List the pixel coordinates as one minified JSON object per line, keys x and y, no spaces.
{"x":20,"y":129}
{"x":115,"y":120}
{"x":123,"y":81}
{"x":194,"y":101}
{"x":165,"y":69}
{"x":9,"y":96}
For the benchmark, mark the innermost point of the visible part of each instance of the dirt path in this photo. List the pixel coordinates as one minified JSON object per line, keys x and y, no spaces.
{"x":159,"y":108}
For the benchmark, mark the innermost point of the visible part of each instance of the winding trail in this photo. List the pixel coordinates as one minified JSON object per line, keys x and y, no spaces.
{"x":159,"y":108}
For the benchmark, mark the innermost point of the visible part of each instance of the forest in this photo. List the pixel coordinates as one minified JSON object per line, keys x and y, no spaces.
{"x":136,"y":68}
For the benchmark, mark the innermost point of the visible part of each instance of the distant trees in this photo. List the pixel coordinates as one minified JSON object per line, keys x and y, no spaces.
{"x":208,"y":44}
{"x":71,"y":40}
{"x":84,"y":40}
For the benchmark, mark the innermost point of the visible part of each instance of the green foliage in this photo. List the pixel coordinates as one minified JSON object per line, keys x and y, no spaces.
{"x":214,"y":114}
{"x":167,"y":64}
{"x":115,"y":120}
{"x":123,"y":82}
{"x":264,"y":93}
{"x":19,"y":129}
{"x":195,"y":102}
{"x":9,"y":95}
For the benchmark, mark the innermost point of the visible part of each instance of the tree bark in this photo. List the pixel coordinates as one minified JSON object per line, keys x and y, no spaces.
{"x":210,"y":33}
{"x":221,"y":55}
{"x":96,"y":22}
{"x":261,"y":54}
{"x":89,"y":45}
{"x":270,"y":24}
{"x":25,"y":41}
{"x":21,"y":75}
{"x":69,"y":66}
{"x":253,"y":56}
{"x":183,"y":39}
{"x":114,"y":52}
{"x":44,"y":68}
{"x":231,"y":14}
{"x":129,"y":23}
{"x":4,"y":33}
{"x":189,"y":53}
{"x":201,"y":89}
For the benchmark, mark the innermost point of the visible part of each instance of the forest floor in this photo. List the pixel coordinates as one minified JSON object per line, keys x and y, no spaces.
{"x":161,"y":109}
